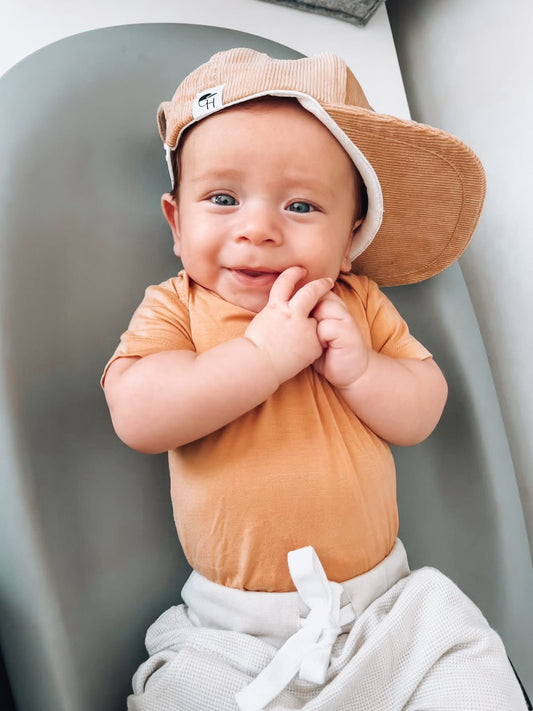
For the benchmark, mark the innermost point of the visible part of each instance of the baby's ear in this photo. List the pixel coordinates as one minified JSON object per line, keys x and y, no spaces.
{"x":170,"y":212}
{"x":346,"y":265}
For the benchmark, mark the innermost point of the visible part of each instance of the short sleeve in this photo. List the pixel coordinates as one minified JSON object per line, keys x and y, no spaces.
{"x":160,"y":323}
{"x":389,"y":331}
{"x":381,"y":325}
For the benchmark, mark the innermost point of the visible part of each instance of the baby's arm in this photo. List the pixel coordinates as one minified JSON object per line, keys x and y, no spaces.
{"x":400,"y":399}
{"x":167,"y":399}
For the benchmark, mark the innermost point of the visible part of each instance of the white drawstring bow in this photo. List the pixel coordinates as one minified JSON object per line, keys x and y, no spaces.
{"x":308,"y":651}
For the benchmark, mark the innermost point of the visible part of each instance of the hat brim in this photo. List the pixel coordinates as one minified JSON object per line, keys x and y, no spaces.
{"x":433,"y":189}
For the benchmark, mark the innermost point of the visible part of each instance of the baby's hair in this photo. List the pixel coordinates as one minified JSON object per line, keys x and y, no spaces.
{"x":267,"y":102}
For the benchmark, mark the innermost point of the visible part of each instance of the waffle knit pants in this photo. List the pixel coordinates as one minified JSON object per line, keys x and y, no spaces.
{"x":386,"y":640}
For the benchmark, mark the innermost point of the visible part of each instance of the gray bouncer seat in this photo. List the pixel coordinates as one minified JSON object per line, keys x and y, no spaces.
{"x":89,"y":554}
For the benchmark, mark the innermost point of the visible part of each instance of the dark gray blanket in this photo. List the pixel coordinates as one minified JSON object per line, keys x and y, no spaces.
{"x":358,"y":12}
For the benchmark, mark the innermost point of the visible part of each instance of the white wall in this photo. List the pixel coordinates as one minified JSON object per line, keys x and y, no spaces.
{"x":467,"y":68}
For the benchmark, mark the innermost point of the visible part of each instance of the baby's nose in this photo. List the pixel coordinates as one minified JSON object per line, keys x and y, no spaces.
{"x":258,"y":226}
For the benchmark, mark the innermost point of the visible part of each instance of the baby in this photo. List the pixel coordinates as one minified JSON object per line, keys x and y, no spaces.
{"x":276,"y":379}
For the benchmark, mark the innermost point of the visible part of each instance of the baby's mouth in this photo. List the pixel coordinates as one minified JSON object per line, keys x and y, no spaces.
{"x":255,"y":277}
{"x":253,"y":272}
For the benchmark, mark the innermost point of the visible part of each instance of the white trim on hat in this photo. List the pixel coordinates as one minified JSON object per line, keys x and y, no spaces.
{"x":372,"y":222}
{"x":366,"y":232}
{"x":168,"y":159}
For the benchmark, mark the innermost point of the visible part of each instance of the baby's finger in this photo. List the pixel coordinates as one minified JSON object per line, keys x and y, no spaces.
{"x":330,"y":306}
{"x":308,"y":296}
{"x":284,"y":286}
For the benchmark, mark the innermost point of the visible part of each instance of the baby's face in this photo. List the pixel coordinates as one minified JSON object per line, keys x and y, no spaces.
{"x":262,"y":188}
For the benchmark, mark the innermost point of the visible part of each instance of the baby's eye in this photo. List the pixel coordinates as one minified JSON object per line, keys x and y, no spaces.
{"x":300,"y":206}
{"x":223,"y":199}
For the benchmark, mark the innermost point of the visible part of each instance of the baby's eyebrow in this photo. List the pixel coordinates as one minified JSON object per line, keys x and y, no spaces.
{"x":307,"y":180}
{"x":216,"y":174}
{"x":303,"y":185}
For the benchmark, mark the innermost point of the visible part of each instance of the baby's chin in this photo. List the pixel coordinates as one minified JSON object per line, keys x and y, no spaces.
{"x":254,"y":305}
{"x":249,"y":302}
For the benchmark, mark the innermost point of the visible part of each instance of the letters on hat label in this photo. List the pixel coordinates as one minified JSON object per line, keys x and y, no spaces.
{"x":208,"y":101}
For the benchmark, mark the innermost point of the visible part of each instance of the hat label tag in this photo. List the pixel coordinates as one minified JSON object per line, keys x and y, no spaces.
{"x":208,"y":101}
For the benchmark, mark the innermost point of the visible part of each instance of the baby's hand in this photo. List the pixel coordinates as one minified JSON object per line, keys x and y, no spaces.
{"x":345,"y":355}
{"x":284,"y":329}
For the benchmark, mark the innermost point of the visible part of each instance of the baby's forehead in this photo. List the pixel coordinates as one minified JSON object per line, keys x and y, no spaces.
{"x":286,"y":112}
{"x":288,"y":106}
{"x":232,"y":132}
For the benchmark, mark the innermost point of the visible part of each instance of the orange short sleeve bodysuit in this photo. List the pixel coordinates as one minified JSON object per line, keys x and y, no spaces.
{"x":300,"y":469}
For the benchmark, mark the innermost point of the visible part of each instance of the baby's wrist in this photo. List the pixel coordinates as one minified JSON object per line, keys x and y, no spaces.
{"x":356,"y":376}
{"x":268,"y":369}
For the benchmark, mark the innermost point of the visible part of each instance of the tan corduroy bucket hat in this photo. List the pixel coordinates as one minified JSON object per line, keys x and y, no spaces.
{"x":425,"y":187}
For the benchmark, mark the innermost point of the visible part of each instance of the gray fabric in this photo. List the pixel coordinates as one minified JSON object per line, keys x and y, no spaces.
{"x":421,"y":645}
{"x":358,"y":12}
